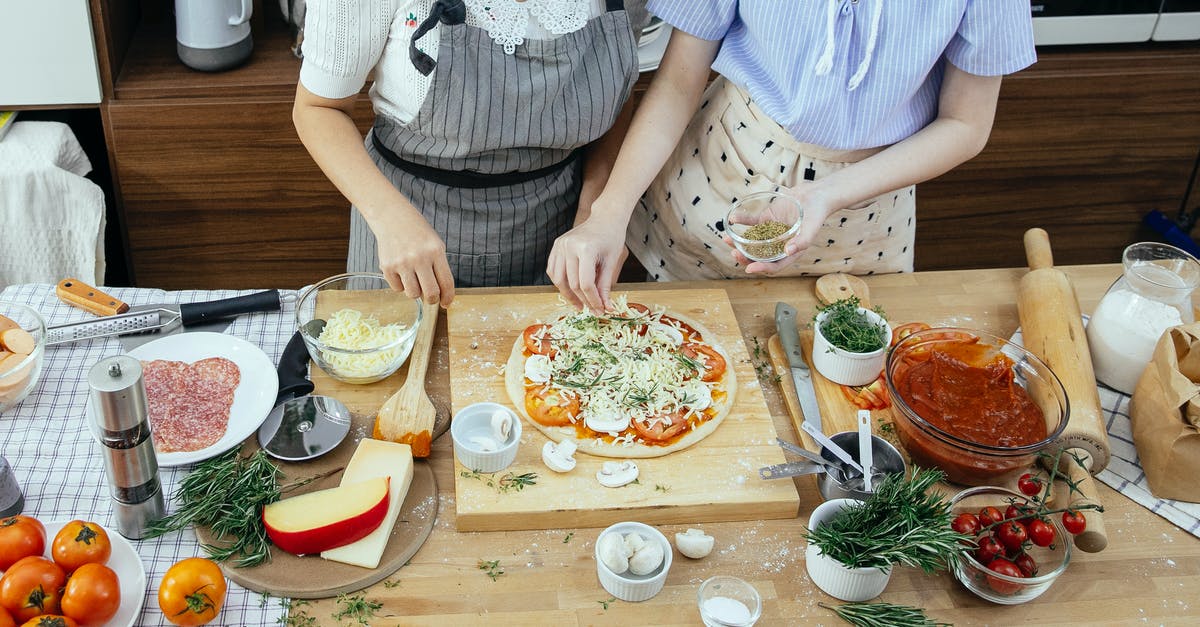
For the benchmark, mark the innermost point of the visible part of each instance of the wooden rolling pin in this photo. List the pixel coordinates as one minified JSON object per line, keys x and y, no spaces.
{"x":1052,"y":328}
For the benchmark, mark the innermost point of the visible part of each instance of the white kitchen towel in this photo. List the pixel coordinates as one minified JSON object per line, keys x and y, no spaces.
{"x":1124,"y":472}
{"x":52,"y":217}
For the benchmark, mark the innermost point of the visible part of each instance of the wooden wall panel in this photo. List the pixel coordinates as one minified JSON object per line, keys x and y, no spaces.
{"x":1085,"y":143}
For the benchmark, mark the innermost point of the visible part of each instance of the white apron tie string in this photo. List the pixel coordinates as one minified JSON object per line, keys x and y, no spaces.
{"x":825,"y":61}
{"x":871,"y":39}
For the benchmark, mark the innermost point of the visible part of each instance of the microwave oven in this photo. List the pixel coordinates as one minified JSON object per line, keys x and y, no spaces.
{"x":1064,"y":22}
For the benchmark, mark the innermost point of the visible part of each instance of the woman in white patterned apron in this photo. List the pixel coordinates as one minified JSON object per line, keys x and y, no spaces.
{"x":844,"y":104}
{"x":491,"y":128}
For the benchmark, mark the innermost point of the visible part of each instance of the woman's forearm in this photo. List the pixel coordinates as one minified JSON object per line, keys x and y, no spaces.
{"x":967,"y":107}
{"x":660,"y":121}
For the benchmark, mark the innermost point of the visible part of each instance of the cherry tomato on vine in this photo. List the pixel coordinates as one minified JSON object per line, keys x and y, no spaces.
{"x":989,"y":516}
{"x":989,"y":549}
{"x":1029,"y":485}
{"x":1012,"y":535}
{"x":1028,"y":566}
{"x":1019,"y":513}
{"x":1074,"y":522}
{"x":966,"y":523}
{"x":1004,"y":567}
{"x":1041,"y":532}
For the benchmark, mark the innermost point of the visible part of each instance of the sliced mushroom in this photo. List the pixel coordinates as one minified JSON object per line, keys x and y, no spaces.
{"x":538,"y":368}
{"x":694,"y":543}
{"x":559,"y":457}
{"x":606,"y":421}
{"x":617,"y":474}
{"x":502,"y":425}
{"x":612,"y":552}
{"x":646,"y":559}
{"x":665,"y":333}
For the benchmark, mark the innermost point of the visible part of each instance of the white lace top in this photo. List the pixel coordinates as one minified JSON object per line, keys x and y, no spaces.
{"x":344,"y":40}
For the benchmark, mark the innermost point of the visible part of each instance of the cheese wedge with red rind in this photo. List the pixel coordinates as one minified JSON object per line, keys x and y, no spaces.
{"x":326,"y":519}
{"x":372,"y":459}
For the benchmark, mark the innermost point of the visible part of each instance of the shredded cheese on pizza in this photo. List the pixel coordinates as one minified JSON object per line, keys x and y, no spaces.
{"x":624,"y":366}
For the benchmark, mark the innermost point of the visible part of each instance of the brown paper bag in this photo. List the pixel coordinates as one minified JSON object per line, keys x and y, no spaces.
{"x":1165,"y":411}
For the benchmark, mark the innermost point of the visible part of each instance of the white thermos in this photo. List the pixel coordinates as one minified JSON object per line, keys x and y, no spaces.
{"x":122,"y":428}
{"x":213,"y":35}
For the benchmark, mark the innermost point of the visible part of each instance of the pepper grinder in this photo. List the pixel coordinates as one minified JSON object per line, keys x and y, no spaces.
{"x":123,"y":429}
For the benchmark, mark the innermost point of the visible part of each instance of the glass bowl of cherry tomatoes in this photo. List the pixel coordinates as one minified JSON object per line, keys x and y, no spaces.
{"x":1019,"y":550}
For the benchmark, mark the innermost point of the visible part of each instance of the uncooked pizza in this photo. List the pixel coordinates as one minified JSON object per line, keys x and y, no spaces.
{"x":635,"y":382}
{"x":189,"y":404}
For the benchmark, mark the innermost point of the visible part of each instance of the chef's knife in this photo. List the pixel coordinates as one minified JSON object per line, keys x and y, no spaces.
{"x":155,"y":321}
{"x":789,"y":338}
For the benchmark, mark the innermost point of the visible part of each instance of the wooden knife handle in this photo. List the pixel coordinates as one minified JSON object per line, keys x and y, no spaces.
{"x":79,"y":294}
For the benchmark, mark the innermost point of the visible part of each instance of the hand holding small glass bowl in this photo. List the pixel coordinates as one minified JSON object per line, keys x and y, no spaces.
{"x":964,"y":460}
{"x":369,"y":296}
{"x":762,"y":223}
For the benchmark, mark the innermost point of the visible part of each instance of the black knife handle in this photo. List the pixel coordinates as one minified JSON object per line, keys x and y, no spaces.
{"x":293,"y":370}
{"x":194,"y":313}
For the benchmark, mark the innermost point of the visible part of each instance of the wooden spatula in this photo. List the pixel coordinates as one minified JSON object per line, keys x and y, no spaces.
{"x":408,"y":415}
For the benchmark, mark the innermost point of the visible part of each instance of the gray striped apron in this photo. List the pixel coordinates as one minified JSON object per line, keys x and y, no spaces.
{"x":492,"y":157}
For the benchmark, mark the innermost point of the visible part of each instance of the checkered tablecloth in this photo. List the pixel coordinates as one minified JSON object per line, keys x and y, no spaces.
{"x":1124,"y":472}
{"x":59,"y":465}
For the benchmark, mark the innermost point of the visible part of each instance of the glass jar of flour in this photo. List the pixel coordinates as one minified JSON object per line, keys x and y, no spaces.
{"x":1153,"y":294}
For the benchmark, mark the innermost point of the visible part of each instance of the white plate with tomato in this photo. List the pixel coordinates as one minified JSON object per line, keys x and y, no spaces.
{"x":123,"y":560}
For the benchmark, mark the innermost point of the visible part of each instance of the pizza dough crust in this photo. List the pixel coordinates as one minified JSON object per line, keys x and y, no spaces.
{"x":514,"y":382}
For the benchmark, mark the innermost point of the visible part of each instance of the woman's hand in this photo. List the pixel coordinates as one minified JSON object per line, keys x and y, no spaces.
{"x":586,"y":260}
{"x":815,"y":207}
{"x":412,"y":257}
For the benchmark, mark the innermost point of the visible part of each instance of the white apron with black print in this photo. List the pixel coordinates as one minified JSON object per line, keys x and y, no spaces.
{"x":730,"y":149}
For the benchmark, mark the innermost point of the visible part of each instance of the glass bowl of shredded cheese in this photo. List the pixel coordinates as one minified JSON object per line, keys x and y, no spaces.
{"x":762,"y":223}
{"x":357,"y":329}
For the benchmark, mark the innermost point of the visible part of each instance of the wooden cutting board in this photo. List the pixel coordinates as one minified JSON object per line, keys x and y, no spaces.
{"x":310,"y":576}
{"x":714,"y":480}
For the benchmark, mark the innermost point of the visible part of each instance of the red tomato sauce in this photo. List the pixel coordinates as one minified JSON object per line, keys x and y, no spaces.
{"x":966,"y":389}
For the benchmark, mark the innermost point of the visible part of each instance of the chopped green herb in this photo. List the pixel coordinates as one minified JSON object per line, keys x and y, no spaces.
{"x":491,"y":568}
{"x":605,"y":602}
{"x":570,"y":534}
{"x":357,"y":608}
{"x":849,"y":329}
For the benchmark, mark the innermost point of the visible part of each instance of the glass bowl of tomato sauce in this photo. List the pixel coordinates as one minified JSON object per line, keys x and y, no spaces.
{"x":973,"y":404}
{"x":1002,"y":568}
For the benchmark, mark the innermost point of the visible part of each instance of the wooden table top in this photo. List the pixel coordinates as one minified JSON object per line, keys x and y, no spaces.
{"x":1150,"y":571}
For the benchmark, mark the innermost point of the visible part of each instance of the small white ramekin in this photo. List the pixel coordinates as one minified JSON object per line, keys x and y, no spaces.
{"x":477,"y":418}
{"x":627,"y":586}
{"x":846,"y":368}
{"x":847,"y":584}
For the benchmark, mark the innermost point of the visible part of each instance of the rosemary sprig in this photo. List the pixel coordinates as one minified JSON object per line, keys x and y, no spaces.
{"x":882,"y":615}
{"x":898,"y":524}
{"x":850,"y":330}
{"x":357,"y":608}
{"x":227,"y":494}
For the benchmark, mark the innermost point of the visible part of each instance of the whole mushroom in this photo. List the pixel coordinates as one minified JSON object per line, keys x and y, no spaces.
{"x":559,"y":457}
{"x":694,"y":543}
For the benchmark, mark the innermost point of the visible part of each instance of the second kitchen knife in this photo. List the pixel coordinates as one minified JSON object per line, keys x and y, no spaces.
{"x":789,"y":338}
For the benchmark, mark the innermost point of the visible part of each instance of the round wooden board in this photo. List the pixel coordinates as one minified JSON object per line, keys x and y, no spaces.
{"x":311,"y":577}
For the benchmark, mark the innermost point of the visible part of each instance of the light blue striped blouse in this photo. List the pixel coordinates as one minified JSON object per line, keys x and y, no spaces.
{"x":851,"y":74}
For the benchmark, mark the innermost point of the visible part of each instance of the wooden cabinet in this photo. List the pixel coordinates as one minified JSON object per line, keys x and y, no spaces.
{"x":216,"y":189}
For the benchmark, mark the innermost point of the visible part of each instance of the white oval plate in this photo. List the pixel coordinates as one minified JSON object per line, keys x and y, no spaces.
{"x":651,"y":54}
{"x":252,"y":401}
{"x":125,"y":562}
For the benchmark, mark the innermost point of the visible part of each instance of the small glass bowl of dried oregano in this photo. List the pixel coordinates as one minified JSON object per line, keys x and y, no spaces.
{"x":760,"y":224}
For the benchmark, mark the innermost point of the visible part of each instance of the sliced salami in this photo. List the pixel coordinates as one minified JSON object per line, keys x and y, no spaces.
{"x":189,"y":404}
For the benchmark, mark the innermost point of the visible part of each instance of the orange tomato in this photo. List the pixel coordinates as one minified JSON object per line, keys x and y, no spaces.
{"x":6,"y":619}
{"x":714,"y":362}
{"x":31,"y":587}
{"x":50,"y":620}
{"x":79,"y":543}
{"x":537,"y":346}
{"x":905,"y":330}
{"x":191,"y":592}
{"x":92,"y":595}
{"x":20,"y":536}
{"x":550,"y":407}
{"x":660,"y":431}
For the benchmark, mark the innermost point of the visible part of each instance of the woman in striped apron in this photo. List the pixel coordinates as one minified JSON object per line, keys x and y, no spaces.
{"x":844,"y":104}
{"x":491,"y":128}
